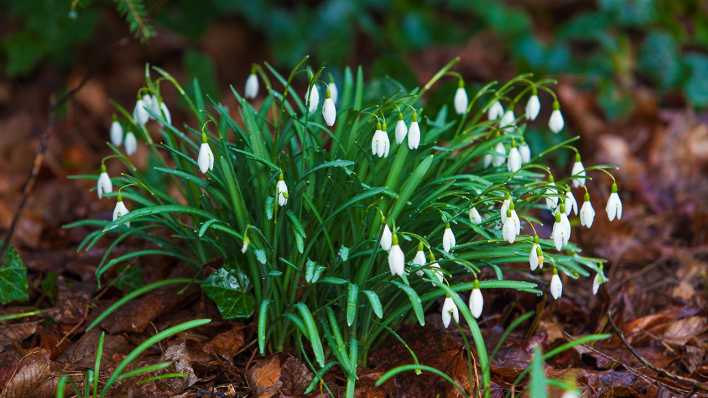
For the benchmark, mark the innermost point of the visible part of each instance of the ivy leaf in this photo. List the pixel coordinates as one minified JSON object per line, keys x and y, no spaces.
{"x":228,"y":289}
{"x":13,"y":278}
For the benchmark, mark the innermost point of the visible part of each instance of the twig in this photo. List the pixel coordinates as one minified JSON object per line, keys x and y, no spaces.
{"x":695,"y":384}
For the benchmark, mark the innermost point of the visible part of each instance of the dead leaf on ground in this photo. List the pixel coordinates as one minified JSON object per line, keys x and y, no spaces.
{"x":33,"y":376}
{"x":227,"y":344}
{"x":16,"y":332}
{"x":683,"y":330}
{"x":179,"y":355}
{"x":264,"y":377}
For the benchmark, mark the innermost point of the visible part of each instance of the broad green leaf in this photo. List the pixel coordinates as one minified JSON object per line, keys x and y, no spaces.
{"x":13,"y":278}
{"x":228,"y":289}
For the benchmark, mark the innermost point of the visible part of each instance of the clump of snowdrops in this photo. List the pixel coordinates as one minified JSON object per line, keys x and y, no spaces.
{"x":341,"y":210}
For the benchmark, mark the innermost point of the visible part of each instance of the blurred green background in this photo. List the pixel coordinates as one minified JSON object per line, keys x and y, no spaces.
{"x":609,"y":46}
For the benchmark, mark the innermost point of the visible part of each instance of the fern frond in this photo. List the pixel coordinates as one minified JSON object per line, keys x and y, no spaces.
{"x":136,"y":16}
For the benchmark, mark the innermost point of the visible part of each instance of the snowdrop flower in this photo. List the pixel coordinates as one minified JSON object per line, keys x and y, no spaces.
{"x":396,"y":260}
{"x":401,"y":129}
{"x":505,"y":206}
{"x":419,"y":259}
{"x":205,"y":160}
{"x":525,"y":152}
{"x":104,"y":184}
{"x":571,"y":203}
{"x":436,"y":270}
{"x":571,"y":394}
{"x":476,"y":300}
{"x":578,"y":172}
{"x":507,"y":122}
{"x":130,"y":143}
{"x":448,"y":239}
{"x":598,"y":280}
{"x":561,"y":229}
{"x":513,"y":162}
{"x":414,"y":133}
{"x":385,"y":240}
{"x":449,"y":312}
{"x":495,"y":111}
{"x":614,"y":204}
{"x":245,"y":244}
{"x":313,"y":98}
{"x":380,"y":144}
{"x":251,"y":90}
{"x":166,"y":113}
{"x":332,"y":87}
{"x":281,"y":191}
{"x":556,"y":123}
{"x":116,"y":133}
{"x":461,"y":100}
{"x":140,"y":114}
{"x":556,"y":285}
{"x":534,"y":256}
{"x":329,"y":112}
{"x":551,"y":194}
{"x":487,"y":160}
{"x":475,"y":217}
{"x":499,"y":155}
{"x":587,"y":213}
{"x":154,"y":104}
{"x":120,"y":210}
{"x":533,"y":107}
{"x":510,"y":228}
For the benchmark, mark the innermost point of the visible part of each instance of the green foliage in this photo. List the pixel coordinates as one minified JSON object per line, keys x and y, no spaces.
{"x":308,"y":258}
{"x":13,"y":278}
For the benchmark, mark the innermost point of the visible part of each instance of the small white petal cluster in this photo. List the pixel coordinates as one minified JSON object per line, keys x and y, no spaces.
{"x":104,"y":184}
{"x":120,"y":210}
{"x":475,"y":217}
{"x":525,"y":151}
{"x":495,"y":111}
{"x":551,"y":195}
{"x":598,"y":280}
{"x":116,"y":133}
{"x":332,"y":87}
{"x":556,"y":123}
{"x":573,"y":393}
{"x":533,"y":107}
{"x":614,"y":205}
{"x":401,"y":129}
{"x":561,"y":230}
{"x":130,"y":144}
{"x":476,"y":302}
{"x":205,"y":159}
{"x":508,"y":121}
{"x":535,"y":255}
{"x":281,"y":191}
{"x":578,"y":173}
{"x":329,"y":111}
{"x":313,"y":99}
{"x":419,"y":259}
{"x":587,"y":213}
{"x":396,"y":260}
{"x":414,"y":133}
{"x":140,"y":113}
{"x":386,"y":238}
{"x":499,"y":156}
{"x":448,"y":239}
{"x":461,"y":100}
{"x":449,"y":312}
{"x":251,"y":90}
{"x":514,"y":161}
{"x":556,"y":285}
{"x":380,"y":145}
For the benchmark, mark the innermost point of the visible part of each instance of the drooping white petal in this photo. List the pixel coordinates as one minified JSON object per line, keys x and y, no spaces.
{"x":513,"y":162}
{"x":475,"y":217}
{"x":551,"y":196}
{"x":556,"y":123}
{"x":571,"y":205}
{"x":448,"y":239}
{"x":385,"y":240}
{"x":396,"y":260}
{"x":413,"y":136}
{"x":533,"y":107}
{"x":578,"y":174}
{"x":525,"y":151}
{"x":487,"y":160}
{"x":120,"y":210}
{"x":116,"y":133}
{"x":281,"y":190}
{"x":140,"y":115}
{"x":313,"y":99}
{"x":205,"y":159}
{"x":571,"y":394}
{"x":504,"y":207}
{"x":461,"y":101}
{"x":380,"y":144}
{"x":499,"y":155}
{"x":596,"y":282}
{"x":449,"y":312}
{"x":509,"y":229}
{"x":166,"y":113}
{"x":533,"y":257}
{"x":103,"y":185}
{"x":476,"y":302}
{"x":556,"y":286}
{"x":587,"y":214}
{"x":251,"y":90}
{"x":614,"y":207}
{"x":495,"y":111}
{"x":507,"y":122}
{"x":419,"y":260}
{"x":334,"y":94}
{"x":516,"y":221}
{"x":435,"y":267}
{"x":401,"y":131}
{"x":154,"y":105}
{"x":558,"y":233}
{"x":130,"y":143}
{"x":565,"y":224}
{"x":329,"y":112}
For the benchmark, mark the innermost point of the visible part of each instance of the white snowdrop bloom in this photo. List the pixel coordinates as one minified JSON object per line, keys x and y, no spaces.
{"x":551,"y":195}
{"x":245,"y":244}
{"x":120,"y":210}
{"x":414,"y":133}
{"x":556,"y":285}
{"x":533,"y":254}
{"x":587,"y":213}
{"x":533,"y":107}
{"x":205,"y":159}
{"x":509,"y":228}
{"x":251,"y":90}
{"x":507,"y":122}
{"x":487,"y":160}
{"x":419,"y":259}
{"x":154,"y":106}
{"x":386,"y":237}
{"x":571,"y":394}
{"x":614,"y":205}
{"x":313,"y":99}
{"x":525,"y":151}
{"x":505,"y":206}
{"x":476,"y":301}
{"x":495,"y":111}
{"x":571,"y":205}
{"x":396,"y":260}
{"x":329,"y":111}
{"x":116,"y":133}
{"x":380,"y":144}
{"x":436,"y":271}
{"x":401,"y":129}
{"x":332,"y":87}
{"x":281,"y":190}
{"x":565,"y":224}
{"x":448,"y":239}
{"x":461,"y":100}
{"x":104,"y":184}
{"x":166,"y":113}
{"x":558,"y":233}
{"x":449,"y":312}
{"x":513,"y":162}
{"x":598,"y":280}
{"x":499,"y":155}
{"x":556,"y":123}
{"x":130,"y":144}
{"x":578,"y":173}
{"x":140,"y":114}
{"x":475,"y":217}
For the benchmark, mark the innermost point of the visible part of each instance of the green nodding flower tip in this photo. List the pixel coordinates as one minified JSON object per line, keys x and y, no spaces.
{"x":394,"y":239}
{"x":460,"y":83}
{"x":587,"y":196}
{"x":415,"y":116}
{"x":280,"y":176}
{"x":475,"y":284}
{"x":557,"y":216}
{"x":512,"y":206}
{"x":555,"y":270}
{"x":204,"y":138}
{"x":447,"y":225}
{"x":556,"y":105}
{"x":431,"y":256}
{"x":383,"y":125}
{"x":550,"y":178}
{"x":577,"y":156}
{"x":614,"y":187}
{"x":513,"y":143}
{"x":535,"y":239}
{"x":103,"y":167}
{"x":119,"y":197}
{"x":400,"y":116}
{"x":534,"y":90}
{"x":421,"y":246}
{"x":378,"y":125}
{"x":562,"y":207}
{"x":253,"y":68}
{"x":328,"y":94}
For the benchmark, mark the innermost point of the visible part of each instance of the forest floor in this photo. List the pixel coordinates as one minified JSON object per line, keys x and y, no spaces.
{"x":656,"y":294}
